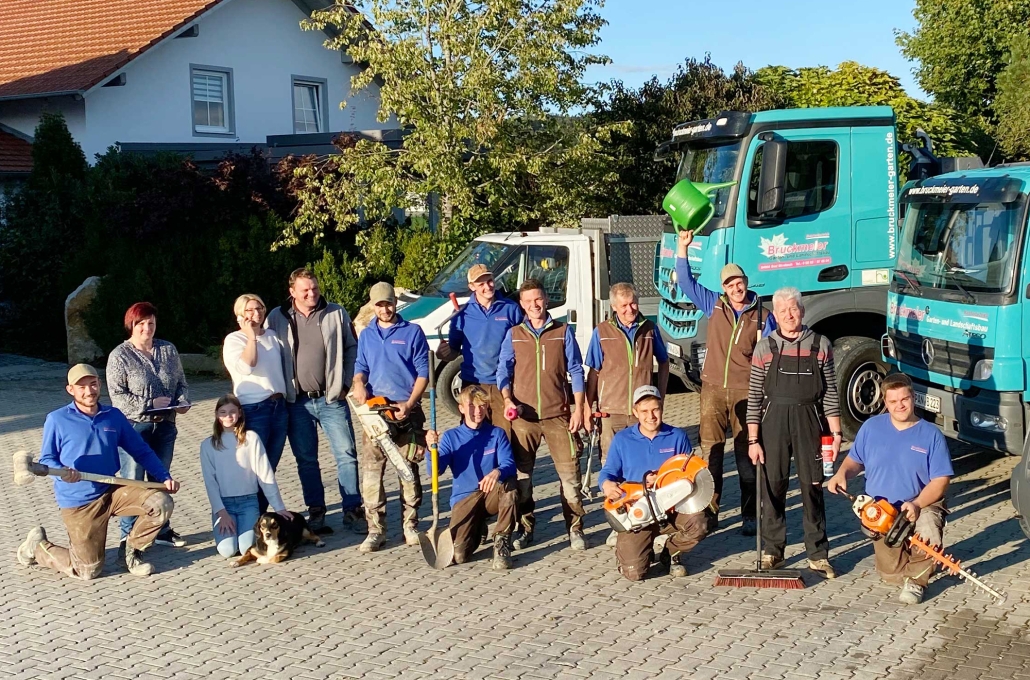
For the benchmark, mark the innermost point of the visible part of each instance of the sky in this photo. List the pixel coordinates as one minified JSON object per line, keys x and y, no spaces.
{"x":650,"y":37}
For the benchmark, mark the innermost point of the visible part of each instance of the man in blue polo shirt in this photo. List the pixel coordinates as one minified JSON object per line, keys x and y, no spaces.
{"x":906,"y":461}
{"x":84,"y":437}
{"x":481,"y":461}
{"x":634,"y":453}
{"x":476,"y":334}
{"x":393,"y":362}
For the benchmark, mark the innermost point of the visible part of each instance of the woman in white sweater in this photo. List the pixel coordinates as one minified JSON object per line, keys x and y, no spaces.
{"x":253,"y":356}
{"x":235,"y":467}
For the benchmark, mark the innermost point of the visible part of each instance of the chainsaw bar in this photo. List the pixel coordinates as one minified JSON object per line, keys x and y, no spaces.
{"x":375,"y":428}
{"x":936,"y":553}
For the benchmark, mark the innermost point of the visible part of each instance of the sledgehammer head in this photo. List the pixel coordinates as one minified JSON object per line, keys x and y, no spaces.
{"x":25,"y":470}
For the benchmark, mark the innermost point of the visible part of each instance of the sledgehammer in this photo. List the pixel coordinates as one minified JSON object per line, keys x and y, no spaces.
{"x":25,"y":471}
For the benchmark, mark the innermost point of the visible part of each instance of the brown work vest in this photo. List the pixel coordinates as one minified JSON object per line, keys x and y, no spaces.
{"x":625,"y":366}
{"x":540,"y":382}
{"x":731,"y":342}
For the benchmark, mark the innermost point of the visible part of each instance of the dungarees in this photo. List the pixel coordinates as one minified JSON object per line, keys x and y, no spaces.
{"x":791,"y":425}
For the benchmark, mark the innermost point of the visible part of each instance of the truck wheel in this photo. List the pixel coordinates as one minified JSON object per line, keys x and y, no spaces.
{"x":448,"y":384}
{"x":860,"y":372}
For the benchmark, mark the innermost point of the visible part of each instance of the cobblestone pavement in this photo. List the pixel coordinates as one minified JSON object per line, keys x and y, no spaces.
{"x":333,"y":613}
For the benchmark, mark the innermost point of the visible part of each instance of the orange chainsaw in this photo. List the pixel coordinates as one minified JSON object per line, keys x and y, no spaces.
{"x":683,"y":484}
{"x":884,"y":519}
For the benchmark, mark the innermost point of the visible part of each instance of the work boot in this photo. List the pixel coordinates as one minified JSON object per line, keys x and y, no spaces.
{"x":502,"y":553}
{"x":135,"y":564}
{"x":484,"y":538}
{"x":354,"y":520}
{"x":673,"y":563}
{"x":121,"y":550}
{"x":170,"y":537}
{"x":577,"y":541}
{"x":771,"y":562}
{"x":316,"y":518}
{"x":822,"y":566}
{"x":373,"y":542}
{"x":711,"y":523}
{"x":612,"y":539}
{"x":747,"y":527}
{"x":410,"y":535}
{"x":911,"y":592}
{"x":27,"y":550}
{"x":523,"y":540}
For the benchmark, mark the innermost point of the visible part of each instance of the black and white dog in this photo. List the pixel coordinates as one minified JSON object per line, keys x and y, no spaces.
{"x":276,"y":537}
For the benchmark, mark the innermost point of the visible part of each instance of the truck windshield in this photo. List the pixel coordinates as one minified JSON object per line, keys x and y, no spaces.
{"x":711,"y":164}
{"x":453,"y":277}
{"x":965,"y":247}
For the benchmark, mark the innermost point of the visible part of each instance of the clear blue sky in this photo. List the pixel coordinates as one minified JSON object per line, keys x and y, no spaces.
{"x":650,"y":37}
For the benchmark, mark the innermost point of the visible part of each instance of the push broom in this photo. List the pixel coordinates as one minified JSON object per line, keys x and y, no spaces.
{"x":788,"y":579}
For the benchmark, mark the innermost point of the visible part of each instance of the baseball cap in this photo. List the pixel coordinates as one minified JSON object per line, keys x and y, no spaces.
{"x":478,"y":271}
{"x":80,"y":371}
{"x":381,"y":292}
{"x":731,"y":271}
{"x":646,"y":391}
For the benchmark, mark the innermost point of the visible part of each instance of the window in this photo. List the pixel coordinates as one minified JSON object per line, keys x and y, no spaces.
{"x":211,"y":91}
{"x":811,"y":178}
{"x":309,"y":104}
{"x":550,"y":266}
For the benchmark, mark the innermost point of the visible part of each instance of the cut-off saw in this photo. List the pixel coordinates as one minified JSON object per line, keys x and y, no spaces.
{"x":683,"y":484}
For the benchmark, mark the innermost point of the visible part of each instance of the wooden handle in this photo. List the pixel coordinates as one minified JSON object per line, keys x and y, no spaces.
{"x":119,"y":481}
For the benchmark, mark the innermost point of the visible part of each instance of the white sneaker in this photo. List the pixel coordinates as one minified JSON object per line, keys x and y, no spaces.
{"x":27,"y":550}
{"x":373,"y":542}
{"x":577,"y":541}
{"x":611,"y":540}
{"x":911,"y":593}
{"x":410,"y":536}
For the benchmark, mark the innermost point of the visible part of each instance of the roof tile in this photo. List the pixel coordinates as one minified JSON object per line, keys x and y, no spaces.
{"x":15,"y":153}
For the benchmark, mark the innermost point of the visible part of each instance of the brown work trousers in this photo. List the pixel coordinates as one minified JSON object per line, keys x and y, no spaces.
{"x":526,"y":438}
{"x":496,"y":406}
{"x":722,"y":408}
{"x":896,"y":564}
{"x":468,"y":518}
{"x":634,"y":549}
{"x":373,"y":462}
{"x":615,"y":422}
{"x":87,"y":529}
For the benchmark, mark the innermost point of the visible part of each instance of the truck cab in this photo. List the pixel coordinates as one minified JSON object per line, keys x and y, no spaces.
{"x":813,"y":204}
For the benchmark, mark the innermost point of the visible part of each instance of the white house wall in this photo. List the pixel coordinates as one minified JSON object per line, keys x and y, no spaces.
{"x":263,"y":44}
{"x":23,"y":114}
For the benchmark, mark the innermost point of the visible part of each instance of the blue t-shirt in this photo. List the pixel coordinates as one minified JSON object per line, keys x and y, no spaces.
{"x":478,"y":332}
{"x":900,"y":463}
{"x":472,"y":455}
{"x":631,"y":455}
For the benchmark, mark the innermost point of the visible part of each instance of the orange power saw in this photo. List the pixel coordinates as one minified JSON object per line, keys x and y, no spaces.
{"x":884,"y":519}
{"x":683,"y":484}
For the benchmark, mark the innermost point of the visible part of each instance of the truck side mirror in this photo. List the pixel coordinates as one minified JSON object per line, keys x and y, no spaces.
{"x":772,"y":179}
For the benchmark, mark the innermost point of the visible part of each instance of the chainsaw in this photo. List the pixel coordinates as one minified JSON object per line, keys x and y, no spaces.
{"x":378,"y":421}
{"x":683,"y":484}
{"x":886,"y":520}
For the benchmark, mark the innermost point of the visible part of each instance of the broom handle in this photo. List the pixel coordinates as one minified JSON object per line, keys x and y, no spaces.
{"x":758,"y":476}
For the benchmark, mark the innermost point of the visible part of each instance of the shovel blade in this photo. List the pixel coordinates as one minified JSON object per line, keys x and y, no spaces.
{"x":437,"y":548}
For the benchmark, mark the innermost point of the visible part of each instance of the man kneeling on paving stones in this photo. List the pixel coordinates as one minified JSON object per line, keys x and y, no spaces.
{"x":638,"y":451}
{"x":84,"y":437}
{"x":480,"y":458}
{"x":906,"y":460}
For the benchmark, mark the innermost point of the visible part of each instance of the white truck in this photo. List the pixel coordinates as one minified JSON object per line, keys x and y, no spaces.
{"x":577,"y":267}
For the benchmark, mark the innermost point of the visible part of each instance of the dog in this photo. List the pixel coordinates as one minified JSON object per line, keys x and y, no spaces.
{"x":275,"y":539}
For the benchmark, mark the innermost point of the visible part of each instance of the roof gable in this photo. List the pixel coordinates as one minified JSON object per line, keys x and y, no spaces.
{"x":15,"y":152}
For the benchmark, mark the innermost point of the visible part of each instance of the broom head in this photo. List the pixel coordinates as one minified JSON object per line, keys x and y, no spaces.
{"x":788,"y":579}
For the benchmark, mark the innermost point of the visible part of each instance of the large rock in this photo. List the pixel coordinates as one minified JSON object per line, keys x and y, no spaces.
{"x":82,"y":349}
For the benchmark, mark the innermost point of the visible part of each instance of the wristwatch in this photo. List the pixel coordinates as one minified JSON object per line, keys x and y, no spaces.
{"x":838,"y":434}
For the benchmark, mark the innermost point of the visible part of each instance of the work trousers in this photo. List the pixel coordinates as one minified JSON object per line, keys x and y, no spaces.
{"x":526,"y":438}
{"x":894,"y":565}
{"x":468,"y":517}
{"x":87,"y":529}
{"x":722,"y":408}
{"x":615,"y":422}
{"x":634,"y":549}
{"x":793,"y":431}
{"x":373,"y":463}
{"x":496,"y":406}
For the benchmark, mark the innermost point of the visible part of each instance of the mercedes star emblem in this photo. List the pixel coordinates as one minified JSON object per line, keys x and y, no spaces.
{"x":928,"y":352}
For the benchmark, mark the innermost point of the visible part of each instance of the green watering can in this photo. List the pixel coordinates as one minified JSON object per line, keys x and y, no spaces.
{"x":689,"y":203}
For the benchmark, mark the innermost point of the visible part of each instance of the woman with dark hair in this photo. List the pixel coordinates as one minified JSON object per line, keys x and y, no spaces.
{"x":146,"y":383}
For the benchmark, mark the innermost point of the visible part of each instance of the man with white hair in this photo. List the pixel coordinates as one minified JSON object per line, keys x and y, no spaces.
{"x":793,"y":391}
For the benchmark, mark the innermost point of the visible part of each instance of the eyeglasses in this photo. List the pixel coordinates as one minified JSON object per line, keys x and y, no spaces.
{"x":254,"y":309}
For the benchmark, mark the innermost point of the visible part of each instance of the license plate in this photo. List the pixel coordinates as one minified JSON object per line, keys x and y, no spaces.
{"x":927,"y":402}
{"x":675,"y":350}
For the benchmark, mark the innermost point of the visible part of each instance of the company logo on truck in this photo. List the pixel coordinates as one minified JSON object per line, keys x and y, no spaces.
{"x":792,"y":255}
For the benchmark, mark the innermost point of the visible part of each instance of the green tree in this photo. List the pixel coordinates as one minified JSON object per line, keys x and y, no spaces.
{"x":1012,"y":104}
{"x":484,"y":91}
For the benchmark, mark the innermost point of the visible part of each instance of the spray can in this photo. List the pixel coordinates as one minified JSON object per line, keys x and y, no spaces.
{"x":826,"y":449}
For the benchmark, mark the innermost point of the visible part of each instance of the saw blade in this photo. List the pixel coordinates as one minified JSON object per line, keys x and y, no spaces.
{"x":936,"y":553}
{"x":701,"y":497}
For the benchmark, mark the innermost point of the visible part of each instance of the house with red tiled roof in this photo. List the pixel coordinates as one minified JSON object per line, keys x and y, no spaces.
{"x":201,"y":74}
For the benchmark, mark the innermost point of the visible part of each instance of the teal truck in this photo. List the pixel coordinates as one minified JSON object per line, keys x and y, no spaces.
{"x":812,"y":202}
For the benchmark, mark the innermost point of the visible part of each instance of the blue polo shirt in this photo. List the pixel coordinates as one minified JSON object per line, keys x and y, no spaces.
{"x":477,"y":332}
{"x":595,"y":354}
{"x":900,"y":463}
{"x":573,"y":357}
{"x":472,"y":455}
{"x":392,"y":358}
{"x":74,"y":440}
{"x":631,"y":455}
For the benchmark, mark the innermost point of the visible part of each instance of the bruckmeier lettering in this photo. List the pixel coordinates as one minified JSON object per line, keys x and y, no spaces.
{"x":945,"y":190}
{"x":692,"y":129}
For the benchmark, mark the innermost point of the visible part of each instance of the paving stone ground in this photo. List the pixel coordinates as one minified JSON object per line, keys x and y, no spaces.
{"x":333,"y":613}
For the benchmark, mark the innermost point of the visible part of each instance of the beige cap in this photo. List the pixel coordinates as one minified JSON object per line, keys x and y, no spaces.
{"x":731,"y":271}
{"x":80,"y":371}
{"x":478,"y":271}
{"x":381,"y":292}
